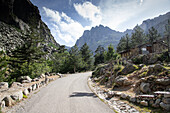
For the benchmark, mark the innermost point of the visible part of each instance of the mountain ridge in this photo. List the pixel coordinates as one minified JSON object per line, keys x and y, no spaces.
{"x":104,"y":36}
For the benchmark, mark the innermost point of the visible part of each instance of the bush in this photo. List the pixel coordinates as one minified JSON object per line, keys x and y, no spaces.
{"x":164,"y":57}
{"x":137,"y":60}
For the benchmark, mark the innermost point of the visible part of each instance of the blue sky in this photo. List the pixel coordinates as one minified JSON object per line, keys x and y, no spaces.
{"x":67,"y":19}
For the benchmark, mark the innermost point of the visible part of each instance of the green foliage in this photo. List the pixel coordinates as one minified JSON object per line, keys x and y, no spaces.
{"x":164,"y":57}
{"x":153,"y":35}
{"x":24,"y":96}
{"x":124,"y":43}
{"x":138,"y":36}
{"x":87,"y":57}
{"x":136,"y":67}
{"x":137,"y":60}
{"x":111,"y":54}
{"x":99,"y":55}
{"x":143,"y":74}
{"x":3,"y":65}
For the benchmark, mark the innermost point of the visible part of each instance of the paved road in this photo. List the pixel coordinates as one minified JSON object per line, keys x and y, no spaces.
{"x":66,"y":95}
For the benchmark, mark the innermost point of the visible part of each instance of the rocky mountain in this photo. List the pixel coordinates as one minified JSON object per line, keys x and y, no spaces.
{"x":104,"y":36}
{"x":157,"y":22}
{"x":19,"y":18}
{"x":99,"y":35}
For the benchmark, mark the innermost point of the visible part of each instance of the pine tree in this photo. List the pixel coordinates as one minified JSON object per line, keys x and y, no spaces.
{"x":111,"y":54}
{"x":99,"y":55}
{"x":75,"y":59}
{"x":86,"y":57}
{"x":25,"y":55}
{"x":153,"y":35}
{"x":138,"y":36}
{"x":124,"y":43}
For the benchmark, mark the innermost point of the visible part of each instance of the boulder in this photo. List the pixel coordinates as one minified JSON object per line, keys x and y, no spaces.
{"x":145,"y":87}
{"x":4,"y":85}
{"x":163,"y":81}
{"x":8,"y":101}
{"x":2,"y":104}
{"x":25,"y":92}
{"x":30,"y":89}
{"x":42,"y":75}
{"x":144,"y":103}
{"x":159,"y":68}
{"x":132,"y":99}
{"x":165,"y":106}
{"x":34,"y":87}
{"x":110,"y":94}
{"x":157,"y":102}
{"x":20,"y":79}
{"x":120,"y":80}
{"x":26,"y":81}
{"x":18,"y":95}
{"x":128,"y":69}
{"x":124,"y":96}
{"x":166,"y":100}
{"x":17,"y":85}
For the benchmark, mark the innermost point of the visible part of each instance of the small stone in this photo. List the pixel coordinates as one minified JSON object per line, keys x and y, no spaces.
{"x":4,"y":85}
{"x":145,"y":87}
{"x":144,"y":103}
{"x":132,"y":99}
{"x":157,"y":101}
{"x":34,"y":87}
{"x":165,"y":106}
{"x":2,"y":104}
{"x":8,"y":101}
{"x":17,"y":95}
{"x":25,"y":92}
{"x":166,"y":100}
{"x":124,"y":96}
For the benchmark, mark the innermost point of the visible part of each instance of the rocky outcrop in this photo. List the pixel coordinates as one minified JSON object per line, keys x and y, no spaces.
{"x":19,"y":18}
{"x":99,"y":35}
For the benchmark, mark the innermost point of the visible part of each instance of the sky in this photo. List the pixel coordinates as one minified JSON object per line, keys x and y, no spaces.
{"x":67,"y":19}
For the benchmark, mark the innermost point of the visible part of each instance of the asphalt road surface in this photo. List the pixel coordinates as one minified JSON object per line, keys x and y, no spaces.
{"x":69,"y":94}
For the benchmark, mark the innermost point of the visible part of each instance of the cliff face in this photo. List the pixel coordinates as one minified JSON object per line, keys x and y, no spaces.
{"x":19,"y":18}
{"x":99,"y":35}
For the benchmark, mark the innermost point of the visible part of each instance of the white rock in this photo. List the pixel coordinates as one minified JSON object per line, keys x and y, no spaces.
{"x":124,"y":96}
{"x":17,"y":95}
{"x":4,"y":85}
{"x":25,"y":92}
{"x":165,"y":106}
{"x":34,"y":87}
{"x":2,"y":104}
{"x":144,"y":103}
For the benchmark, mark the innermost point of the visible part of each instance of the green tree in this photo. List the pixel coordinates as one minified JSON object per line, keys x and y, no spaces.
{"x":86,"y":57}
{"x":111,"y":54}
{"x":99,"y":55}
{"x":27,"y":54}
{"x":138,"y":36}
{"x":75,"y":60}
{"x":167,"y":34}
{"x":124,"y":43}
{"x":153,"y":35}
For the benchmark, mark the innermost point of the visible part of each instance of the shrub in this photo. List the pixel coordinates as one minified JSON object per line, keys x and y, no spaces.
{"x":137,"y":60}
{"x":24,"y":96}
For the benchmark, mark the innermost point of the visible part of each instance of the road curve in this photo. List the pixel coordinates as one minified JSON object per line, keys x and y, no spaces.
{"x":69,"y":94}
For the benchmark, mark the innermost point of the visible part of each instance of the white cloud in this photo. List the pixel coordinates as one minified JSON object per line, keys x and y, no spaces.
{"x":65,"y":30}
{"x":89,"y":11}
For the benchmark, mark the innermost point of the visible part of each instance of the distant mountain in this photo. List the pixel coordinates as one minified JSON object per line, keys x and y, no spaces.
{"x":104,"y":36}
{"x":158,"y":23}
{"x":99,"y":35}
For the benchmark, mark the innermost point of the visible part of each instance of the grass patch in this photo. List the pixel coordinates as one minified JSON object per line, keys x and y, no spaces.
{"x":0,"y":109}
{"x":24,"y":96}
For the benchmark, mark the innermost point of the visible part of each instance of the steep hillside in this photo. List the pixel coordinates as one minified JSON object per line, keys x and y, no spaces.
{"x":99,"y":35}
{"x":19,"y":18}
